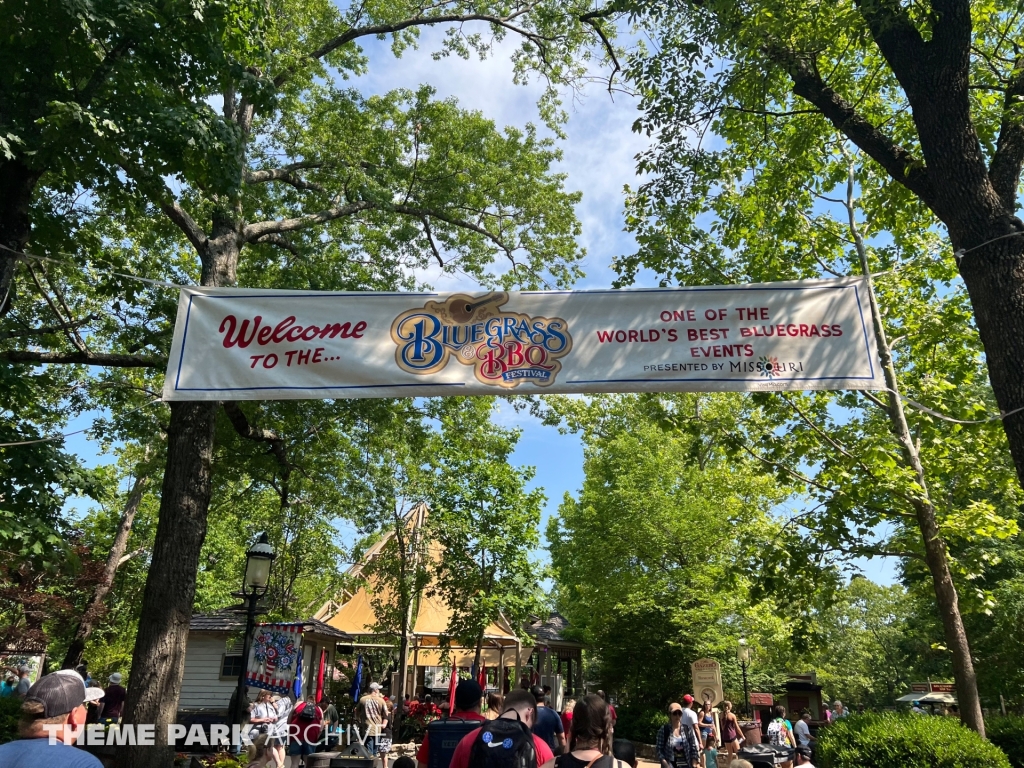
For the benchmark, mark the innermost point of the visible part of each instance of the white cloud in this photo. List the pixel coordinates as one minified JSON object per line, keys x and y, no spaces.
{"x":598,"y":153}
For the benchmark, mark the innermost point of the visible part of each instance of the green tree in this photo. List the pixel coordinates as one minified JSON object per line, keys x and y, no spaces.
{"x":867,"y":650}
{"x":929,"y":93}
{"x":84,"y":81}
{"x":323,"y":188}
{"x":770,"y":206}
{"x":644,"y":558}
{"x":485,"y":521}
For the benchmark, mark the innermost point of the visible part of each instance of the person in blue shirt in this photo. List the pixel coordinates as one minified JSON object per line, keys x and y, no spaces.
{"x":53,"y":702}
{"x":8,"y":685}
{"x":549,"y":723}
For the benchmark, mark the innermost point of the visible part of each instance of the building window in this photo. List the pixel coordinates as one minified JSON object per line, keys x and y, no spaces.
{"x":230,"y":667}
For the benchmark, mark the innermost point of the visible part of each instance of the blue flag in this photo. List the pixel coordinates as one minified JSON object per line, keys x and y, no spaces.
{"x":357,"y":681}
{"x":297,"y":685}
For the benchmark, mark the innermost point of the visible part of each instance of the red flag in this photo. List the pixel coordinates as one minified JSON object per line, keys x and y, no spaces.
{"x":451,"y":689}
{"x":320,"y":675}
{"x":482,"y":679}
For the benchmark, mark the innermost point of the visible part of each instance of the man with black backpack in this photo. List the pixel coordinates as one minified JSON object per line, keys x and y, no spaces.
{"x":443,"y":736}
{"x":506,"y":742}
{"x":304,"y":731}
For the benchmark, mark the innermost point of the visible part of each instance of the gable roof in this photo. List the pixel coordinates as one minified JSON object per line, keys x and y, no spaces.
{"x":356,"y":615}
{"x":550,"y":630}
{"x":227,"y":620}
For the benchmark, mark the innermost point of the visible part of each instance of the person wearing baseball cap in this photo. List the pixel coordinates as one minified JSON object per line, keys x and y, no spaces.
{"x":803,"y":757}
{"x":469,"y":698}
{"x":53,"y":702}
{"x":24,"y":682}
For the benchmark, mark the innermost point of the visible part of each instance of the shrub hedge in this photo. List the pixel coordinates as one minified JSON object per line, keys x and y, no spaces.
{"x":10,"y":713}
{"x":1007,"y":733}
{"x":905,"y":741}
{"x":639,"y":723}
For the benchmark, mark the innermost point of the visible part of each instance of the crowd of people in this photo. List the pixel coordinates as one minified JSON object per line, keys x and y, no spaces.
{"x":104,"y":708}
{"x":519,"y":730}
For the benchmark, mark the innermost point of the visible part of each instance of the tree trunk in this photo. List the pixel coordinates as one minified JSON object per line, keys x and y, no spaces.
{"x":99,"y":595}
{"x":479,"y":649}
{"x":159,"y":656}
{"x":994,"y":276}
{"x":934,"y":547}
{"x":17,"y":183}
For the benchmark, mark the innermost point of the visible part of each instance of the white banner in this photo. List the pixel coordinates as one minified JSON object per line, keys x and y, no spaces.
{"x":248,"y":344}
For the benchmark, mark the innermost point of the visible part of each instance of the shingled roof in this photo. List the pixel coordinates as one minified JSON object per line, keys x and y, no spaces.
{"x":226,"y":620}
{"x":550,"y":630}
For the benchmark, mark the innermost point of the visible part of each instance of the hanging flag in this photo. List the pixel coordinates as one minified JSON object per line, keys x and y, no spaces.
{"x":297,"y":685}
{"x":357,"y":681}
{"x":482,"y":679}
{"x":273,"y":657}
{"x":320,"y":675}
{"x":452,"y":684}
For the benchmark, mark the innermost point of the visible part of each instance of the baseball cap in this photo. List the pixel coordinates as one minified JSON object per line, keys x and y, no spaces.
{"x":537,"y":691}
{"x":374,"y":686}
{"x":803,"y":751}
{"x":688,"y":699}
{"x":673,"y":708}
{"x":468,"y":694}
{"x":60,"y":692}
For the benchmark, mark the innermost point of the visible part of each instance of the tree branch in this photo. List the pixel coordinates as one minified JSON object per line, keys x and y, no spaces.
{"x":128,"y":556}
{"x":420,"y":213}
{"x":257,"y":232}
{"x":100,"y":73}
{"x":253,"y":232}
{"x":1008,"y":160}
{"x":433,"y":245}
{"x":280,"y":242}
{"x":591,"y":20}
{"x":900,"y":164}
{"x":106,"y":359}
{"x":415,"y":21}
{"x":895,"y":35}
{"x":281,"y":174}
{"x":49,"y":328}
{"x":242,"y":426}
{"x":157,"y":191}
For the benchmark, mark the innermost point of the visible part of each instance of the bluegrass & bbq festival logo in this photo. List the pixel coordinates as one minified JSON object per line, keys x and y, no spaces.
{"x":504,"y":348}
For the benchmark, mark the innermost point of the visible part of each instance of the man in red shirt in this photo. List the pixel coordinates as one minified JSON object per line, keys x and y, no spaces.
{"x":521,"y":705}
{"x":469,"y":699}
{"x":304,"y":729}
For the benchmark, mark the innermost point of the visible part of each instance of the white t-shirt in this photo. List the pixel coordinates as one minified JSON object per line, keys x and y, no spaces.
{"x":282,"y":710}
{"x":689,"y":717}
{"x":803,"y":733}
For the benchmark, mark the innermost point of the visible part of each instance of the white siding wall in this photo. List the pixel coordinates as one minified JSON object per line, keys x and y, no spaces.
{"x":201,"y":686}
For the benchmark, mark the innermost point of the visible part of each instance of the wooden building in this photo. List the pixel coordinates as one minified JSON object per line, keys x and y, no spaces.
{"x":539,"y":652}
{"x":213,"y":659}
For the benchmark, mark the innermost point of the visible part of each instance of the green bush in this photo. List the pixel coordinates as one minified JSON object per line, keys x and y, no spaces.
{"x":905,"y":741}
{"x":639,"y":723}
{"x":10,"y":713}
{"x":1007,"y":733}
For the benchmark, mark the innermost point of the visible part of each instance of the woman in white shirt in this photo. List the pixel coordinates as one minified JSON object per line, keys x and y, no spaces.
{"x":270,"y":712}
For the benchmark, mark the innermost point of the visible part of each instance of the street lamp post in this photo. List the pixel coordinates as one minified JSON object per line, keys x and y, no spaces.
{"x":255,"y":583}
{"x":743,"y":656}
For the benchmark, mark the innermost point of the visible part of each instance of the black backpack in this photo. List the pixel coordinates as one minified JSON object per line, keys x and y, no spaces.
{"x":503,"y":743}
{"x":308,"y":712}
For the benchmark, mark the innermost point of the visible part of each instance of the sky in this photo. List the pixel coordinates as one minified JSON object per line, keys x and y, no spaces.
{"x":599,"y":162}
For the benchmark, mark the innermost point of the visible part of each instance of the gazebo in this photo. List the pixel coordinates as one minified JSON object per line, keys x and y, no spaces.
{"x":502,"y":654}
